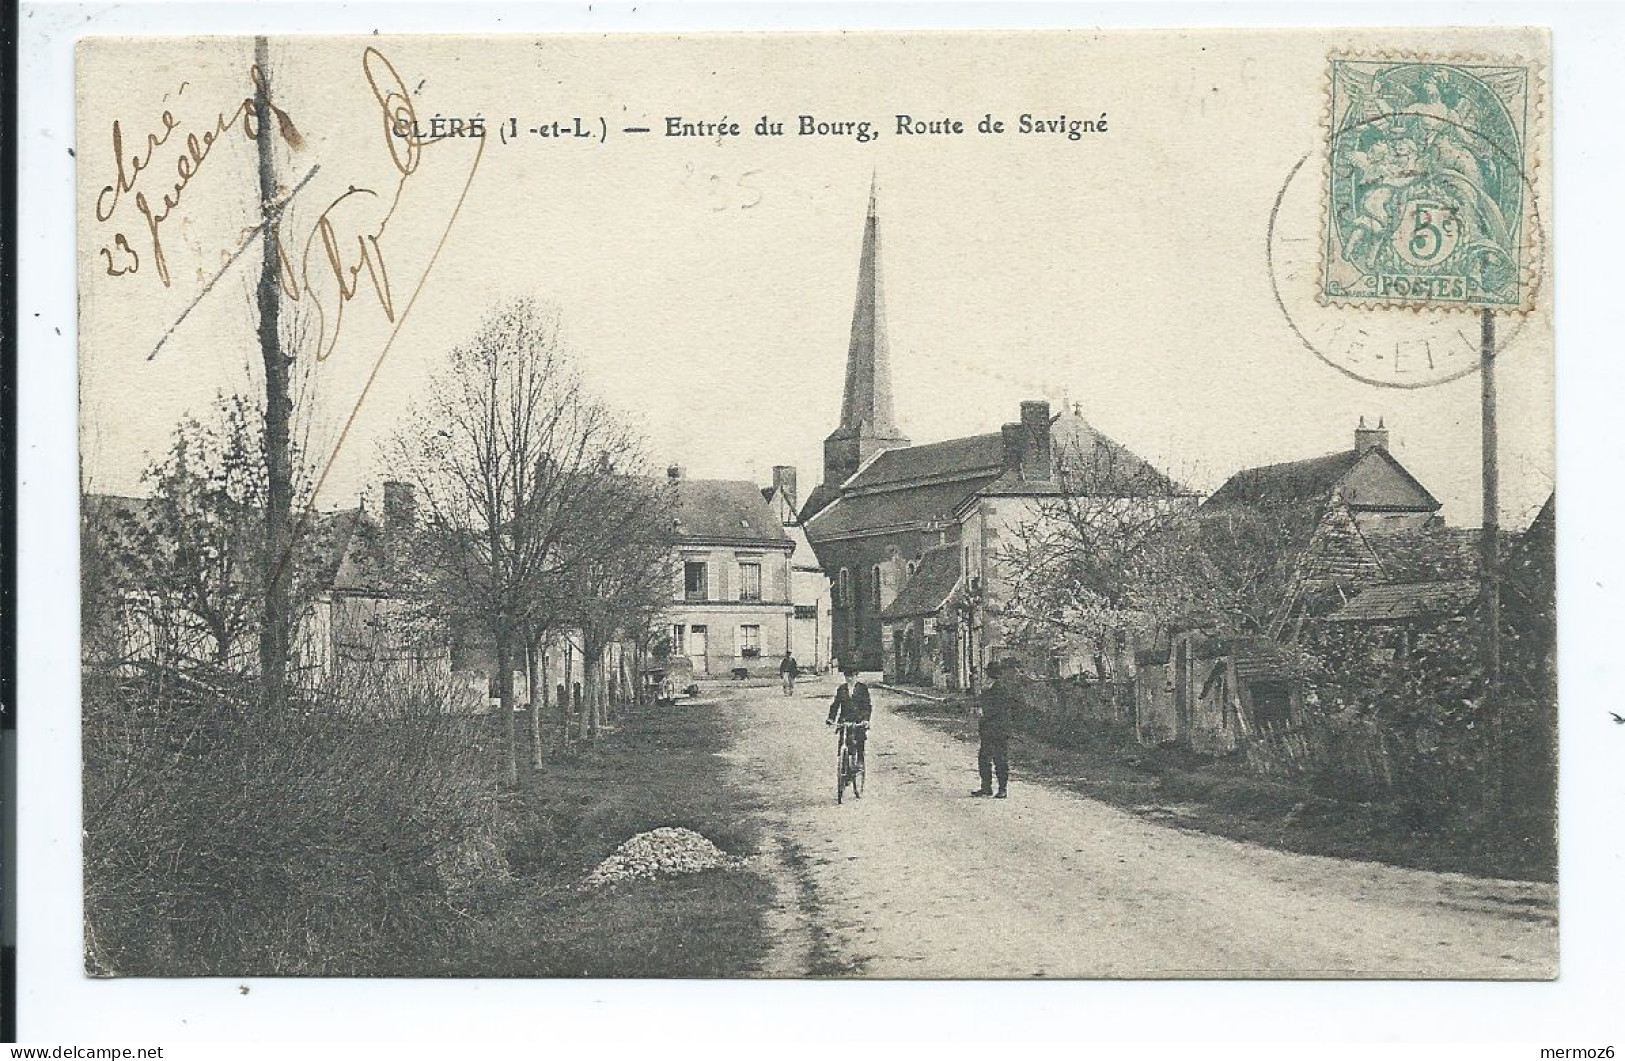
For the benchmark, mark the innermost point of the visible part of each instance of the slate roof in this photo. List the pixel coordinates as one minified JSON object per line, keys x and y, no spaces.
{"x":903,"y":507}
{"x":725,"y":510}
{"x":929,"y":588}
{"x":353,"y":553}
{"x":1312,"y":480}
{"x":977,"y":455}
{"x":1412,"y":600}
{"x":950,"y":473}
{"x":343,"y":543}
{"x":1090,"y":462}
{"x":817,"y":500}
{"x":1288,"y":483}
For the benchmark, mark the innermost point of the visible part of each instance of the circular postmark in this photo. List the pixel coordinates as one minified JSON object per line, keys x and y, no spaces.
{"x":1394,"y":345}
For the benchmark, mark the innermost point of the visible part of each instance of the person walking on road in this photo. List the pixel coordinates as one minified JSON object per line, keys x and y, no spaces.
{"x":994,"y":712}
{"x":788,"y":670}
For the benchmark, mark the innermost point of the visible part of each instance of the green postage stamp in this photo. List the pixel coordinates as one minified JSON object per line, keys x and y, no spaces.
{"x":1429,"y":198}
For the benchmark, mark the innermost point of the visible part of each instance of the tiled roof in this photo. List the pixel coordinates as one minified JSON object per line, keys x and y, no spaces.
{"x":1432,"y":554}
{"x":725,"y":509}
{"x":1264,"y":659}
{"x":1411,"y":600}
{"x":929,"y":588}
{"x":1294,"y":481}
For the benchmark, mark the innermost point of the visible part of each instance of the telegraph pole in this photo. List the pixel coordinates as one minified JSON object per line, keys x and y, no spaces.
{"x":1489,"y":561}
{"x":276,"y":621}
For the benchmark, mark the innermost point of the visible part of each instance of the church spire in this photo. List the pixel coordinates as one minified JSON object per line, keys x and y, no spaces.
{"x":868,"y":422}
{"x":866,"y":404}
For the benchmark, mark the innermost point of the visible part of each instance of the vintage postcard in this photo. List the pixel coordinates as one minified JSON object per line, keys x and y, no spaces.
{"x":898,"y":505}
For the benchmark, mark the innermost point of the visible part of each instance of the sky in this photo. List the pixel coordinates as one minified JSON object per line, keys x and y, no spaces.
{"x":706,"y":283}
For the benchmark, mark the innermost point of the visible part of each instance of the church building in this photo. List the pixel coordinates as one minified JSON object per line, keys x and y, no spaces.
{"x":908,"y":535}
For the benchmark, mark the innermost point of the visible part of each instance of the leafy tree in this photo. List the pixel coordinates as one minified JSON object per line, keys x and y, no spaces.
{"x":1102,"y":559}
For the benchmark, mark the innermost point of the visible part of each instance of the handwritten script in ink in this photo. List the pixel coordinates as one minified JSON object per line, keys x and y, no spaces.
{"x":178,"y":156}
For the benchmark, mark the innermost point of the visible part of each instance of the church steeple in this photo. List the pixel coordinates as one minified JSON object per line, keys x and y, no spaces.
{"x":868,"y":423}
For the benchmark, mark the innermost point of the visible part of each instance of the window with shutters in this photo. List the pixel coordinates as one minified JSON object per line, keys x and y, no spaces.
{"x":750,"y":581}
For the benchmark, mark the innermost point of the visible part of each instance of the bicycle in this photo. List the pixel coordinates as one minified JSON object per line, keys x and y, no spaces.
{"x":849,"y":764}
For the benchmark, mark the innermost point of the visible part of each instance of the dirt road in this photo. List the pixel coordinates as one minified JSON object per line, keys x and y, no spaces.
{"x":917,"y":879}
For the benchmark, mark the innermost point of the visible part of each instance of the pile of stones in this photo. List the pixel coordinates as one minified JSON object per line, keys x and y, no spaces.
{"x":664,"y":852}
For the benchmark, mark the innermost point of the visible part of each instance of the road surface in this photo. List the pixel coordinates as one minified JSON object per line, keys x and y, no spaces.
{"x":917,"y":879}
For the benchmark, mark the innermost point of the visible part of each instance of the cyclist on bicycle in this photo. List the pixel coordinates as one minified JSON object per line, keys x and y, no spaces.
{"x":851,"y":704}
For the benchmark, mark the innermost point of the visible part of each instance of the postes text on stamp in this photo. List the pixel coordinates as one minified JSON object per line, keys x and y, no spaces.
{"x":1427,"y":190}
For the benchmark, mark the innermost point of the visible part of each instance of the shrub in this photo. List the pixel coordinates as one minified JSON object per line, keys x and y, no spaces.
{"x":341,"y":837}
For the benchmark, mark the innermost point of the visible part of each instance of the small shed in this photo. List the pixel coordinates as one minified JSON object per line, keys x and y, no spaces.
{"x":1210,"y":694}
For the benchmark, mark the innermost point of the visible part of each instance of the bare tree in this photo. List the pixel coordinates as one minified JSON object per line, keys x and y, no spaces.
{"x":510,"y":457}
{"x":1248,"y":557}
{"x":619,"y":592}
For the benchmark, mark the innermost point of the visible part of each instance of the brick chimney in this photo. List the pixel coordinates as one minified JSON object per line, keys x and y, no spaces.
{"x":400,"y":507}
{"x":1367,"y":439}
{"x":784,"y":479}
{"x":1027,"y":444}
{"x":1013,"y":447}
{"x":1035,"y":455}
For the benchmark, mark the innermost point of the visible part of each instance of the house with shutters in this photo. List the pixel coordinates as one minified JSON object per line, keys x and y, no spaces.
{"x":731,"y":609}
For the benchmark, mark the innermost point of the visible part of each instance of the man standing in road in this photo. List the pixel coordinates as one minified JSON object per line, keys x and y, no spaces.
{"x":788,"y":669}
{"x":994,"y":711}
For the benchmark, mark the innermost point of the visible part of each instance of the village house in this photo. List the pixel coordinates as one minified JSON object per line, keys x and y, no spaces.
{"x":1345,"y":520}
{"x":353,"y":615}
{"x":732,"y":611}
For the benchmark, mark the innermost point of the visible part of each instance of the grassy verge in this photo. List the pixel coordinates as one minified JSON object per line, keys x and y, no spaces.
{"x":657,"y":768}
{"x":1187,"y":791}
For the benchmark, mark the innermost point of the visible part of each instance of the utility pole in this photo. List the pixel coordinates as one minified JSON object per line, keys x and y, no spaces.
{"x":276,"y":621}
{"x":1489,"y":561}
